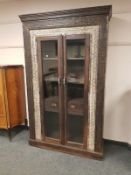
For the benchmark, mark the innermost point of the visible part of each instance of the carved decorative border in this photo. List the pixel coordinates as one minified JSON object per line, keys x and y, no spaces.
{"x":94,"y":33}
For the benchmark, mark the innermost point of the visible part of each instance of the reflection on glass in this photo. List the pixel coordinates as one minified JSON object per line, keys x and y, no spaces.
{"x":51,"y":89}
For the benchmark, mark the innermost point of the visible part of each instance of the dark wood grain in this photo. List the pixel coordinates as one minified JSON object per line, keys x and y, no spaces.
{"x":90,"y":11}
{"x":102,"y":54}
{"x":29,"y":78}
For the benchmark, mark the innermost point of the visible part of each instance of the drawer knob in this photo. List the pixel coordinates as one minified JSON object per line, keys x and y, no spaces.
{"x":72,"y":106}
{"x":53,"y":104}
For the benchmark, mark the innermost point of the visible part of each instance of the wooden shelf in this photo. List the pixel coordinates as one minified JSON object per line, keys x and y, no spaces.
{"x":76,"y":59}
{"x":51,"y":79}
{"x":50,"y":59}
{"x":75,"y":82}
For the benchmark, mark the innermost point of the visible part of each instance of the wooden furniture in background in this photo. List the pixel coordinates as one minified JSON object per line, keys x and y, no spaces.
{"x":12,"y":97}
{"x":65,"y":55}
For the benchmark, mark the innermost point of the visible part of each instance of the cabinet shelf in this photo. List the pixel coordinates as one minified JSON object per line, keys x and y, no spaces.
{"x":51,"y":79}
{"x":75,"y":59}
{"x":50,"y":59}
{"x":79,"y":79}
{"x":75,"y":82}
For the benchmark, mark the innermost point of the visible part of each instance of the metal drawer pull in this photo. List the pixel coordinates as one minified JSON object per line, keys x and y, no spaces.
{"x":73,"y":106}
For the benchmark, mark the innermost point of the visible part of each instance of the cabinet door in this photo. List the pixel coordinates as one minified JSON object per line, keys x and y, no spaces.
{"x":76,"y":61}
{"x":50,"y":54}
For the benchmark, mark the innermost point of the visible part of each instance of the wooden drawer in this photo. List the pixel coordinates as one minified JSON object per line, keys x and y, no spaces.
{"x":52,"y":104}
{"x":76,"y":106}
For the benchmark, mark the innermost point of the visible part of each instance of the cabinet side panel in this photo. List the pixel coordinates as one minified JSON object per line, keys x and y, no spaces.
{"x":15,"y":95}
{"x":3,"y":115}
{"x":101,"y":84}
{"x":19,"y":75}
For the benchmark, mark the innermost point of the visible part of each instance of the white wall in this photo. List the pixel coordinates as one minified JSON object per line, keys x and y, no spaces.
{"x":117,"y":118}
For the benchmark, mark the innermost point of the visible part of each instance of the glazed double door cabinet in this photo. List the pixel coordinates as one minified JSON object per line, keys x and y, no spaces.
{"x":65,"y":53}
{"x":65,"y":88}
{"x":12,"y":97}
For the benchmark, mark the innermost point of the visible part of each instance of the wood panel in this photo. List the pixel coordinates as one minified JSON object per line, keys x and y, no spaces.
{"x":3,"y":102}
{"x":15,"y":94}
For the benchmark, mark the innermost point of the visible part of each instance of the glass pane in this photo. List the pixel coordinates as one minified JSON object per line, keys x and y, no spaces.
{"x":75,"y":71}
{"x":75,"y":49}
{"x":49,"y":49}
{"x":75,"y":89}
{"x":51,"y":124}
{"x":75,"y":127}
{"x":50,"y":70}
{"x":75,"y":99}
{"x":51,"y":89}
{"x":75,"y":60}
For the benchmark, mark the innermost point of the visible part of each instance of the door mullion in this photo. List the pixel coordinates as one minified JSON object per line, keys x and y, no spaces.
{"x":65,"y":89}
{"x":61,"y":89}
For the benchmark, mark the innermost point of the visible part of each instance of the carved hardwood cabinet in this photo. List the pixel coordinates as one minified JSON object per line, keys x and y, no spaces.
{"x":65,"y":53}
{"x":12,"y":97}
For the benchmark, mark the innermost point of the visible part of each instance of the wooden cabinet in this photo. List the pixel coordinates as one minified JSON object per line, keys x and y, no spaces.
{"x":12,"y":97}
{"x":65,"y":66}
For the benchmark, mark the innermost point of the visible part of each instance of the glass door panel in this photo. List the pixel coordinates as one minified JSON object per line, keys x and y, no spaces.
{"x":75,"y":88}
{"x":50,"y":61}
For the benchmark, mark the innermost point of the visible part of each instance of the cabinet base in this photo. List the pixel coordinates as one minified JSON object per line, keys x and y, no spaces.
{"x":66,"y":149}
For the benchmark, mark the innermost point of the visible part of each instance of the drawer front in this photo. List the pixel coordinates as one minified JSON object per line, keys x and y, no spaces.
{"x":51,"y":104}
{"x":76,"y":107}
